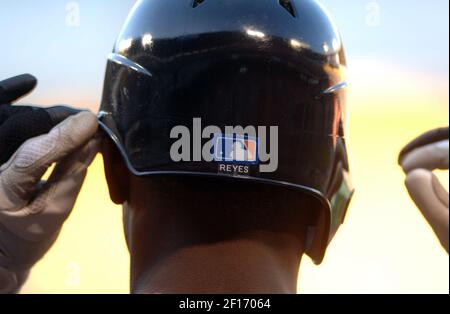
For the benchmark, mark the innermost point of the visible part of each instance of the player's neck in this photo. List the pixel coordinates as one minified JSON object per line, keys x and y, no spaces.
{"x":257,"y":264}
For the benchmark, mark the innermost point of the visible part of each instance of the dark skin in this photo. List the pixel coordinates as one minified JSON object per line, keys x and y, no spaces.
{"x":206,"y":235}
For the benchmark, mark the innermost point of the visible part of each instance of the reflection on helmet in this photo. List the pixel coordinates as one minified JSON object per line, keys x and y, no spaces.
{"x":235,"y":63}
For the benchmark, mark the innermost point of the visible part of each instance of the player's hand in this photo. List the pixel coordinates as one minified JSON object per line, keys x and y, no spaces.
{"x":32,"y":211}
{"x":418,"y":159}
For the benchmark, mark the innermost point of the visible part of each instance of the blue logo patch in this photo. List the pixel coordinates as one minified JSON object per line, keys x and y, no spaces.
{"x":235,"y":148}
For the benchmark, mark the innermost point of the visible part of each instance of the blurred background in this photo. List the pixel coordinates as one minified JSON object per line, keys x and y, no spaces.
{"x":398,"y":54}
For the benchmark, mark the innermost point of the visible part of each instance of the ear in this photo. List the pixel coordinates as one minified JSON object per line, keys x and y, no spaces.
{"x":117,"y":174}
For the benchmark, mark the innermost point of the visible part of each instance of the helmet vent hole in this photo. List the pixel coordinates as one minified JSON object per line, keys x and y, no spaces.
{"x":287,"y":5}
{"x":196,"y":3}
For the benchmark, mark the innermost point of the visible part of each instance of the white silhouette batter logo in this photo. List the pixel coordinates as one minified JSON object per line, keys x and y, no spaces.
{"x":240,"y":152}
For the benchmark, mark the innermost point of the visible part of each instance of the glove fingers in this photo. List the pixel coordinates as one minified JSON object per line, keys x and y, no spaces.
{"x":57,"y":113}
{"x":21,"y":127}
{"x":20,"y":175}
{"x":7,"y":111}
{"x":20,"y":123}
{"x":432,"y":156}
{"x":429,"y":137}
{"x":432,"y":200}
{"x":60,"y":113}
{"x":15,"y":87}
{"x":75,"y":163}
{"x":45,"y":215}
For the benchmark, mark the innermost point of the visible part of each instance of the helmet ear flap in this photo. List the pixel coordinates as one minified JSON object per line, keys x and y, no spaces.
{"x":116,"y":173}
{"x":331,"y":216}
{"x":318,"y":233}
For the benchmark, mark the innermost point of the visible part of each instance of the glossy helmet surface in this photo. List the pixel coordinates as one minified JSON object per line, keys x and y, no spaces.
{"x":235,"y":63}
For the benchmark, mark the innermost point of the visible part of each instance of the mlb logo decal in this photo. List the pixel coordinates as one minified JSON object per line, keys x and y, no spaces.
{"x":235,"y":149}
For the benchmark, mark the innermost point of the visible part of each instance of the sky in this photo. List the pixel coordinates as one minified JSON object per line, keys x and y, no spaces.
{"x":398,"y":54}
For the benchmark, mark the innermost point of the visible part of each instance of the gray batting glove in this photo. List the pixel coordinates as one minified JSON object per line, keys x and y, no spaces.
{"x":32,"y":211}
{"x":418,"y":159}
